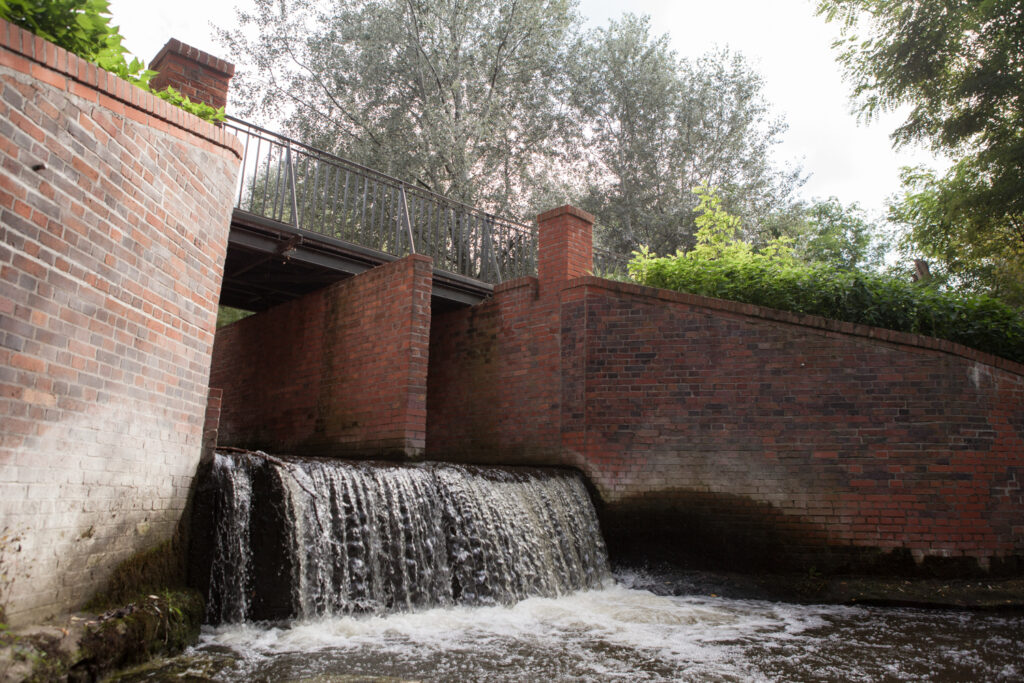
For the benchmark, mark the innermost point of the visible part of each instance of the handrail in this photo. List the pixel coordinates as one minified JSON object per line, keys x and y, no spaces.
{"x":311,"y":189}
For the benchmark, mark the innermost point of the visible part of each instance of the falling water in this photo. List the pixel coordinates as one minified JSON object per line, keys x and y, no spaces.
{"x":370,"y":538}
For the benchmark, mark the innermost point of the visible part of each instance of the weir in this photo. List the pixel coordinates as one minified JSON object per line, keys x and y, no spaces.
{"x":312,"y":538}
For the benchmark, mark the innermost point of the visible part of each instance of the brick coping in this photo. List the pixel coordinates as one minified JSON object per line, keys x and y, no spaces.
{"x":882,"y":334}
{"x":176,"y":47}
{"x":33,"y":56}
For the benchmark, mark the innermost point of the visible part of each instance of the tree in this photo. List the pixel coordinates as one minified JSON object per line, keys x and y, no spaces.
{"x":827,"y":232}
{"x":657,"y":126}
{"x":959,"y":65}
{"x":946,"y":224}
{"x":462,"y":97}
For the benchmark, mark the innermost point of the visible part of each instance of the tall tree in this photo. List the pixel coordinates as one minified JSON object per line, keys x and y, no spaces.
{"x":946,"y":225}
{"x":462,"y":97}
{"x":825,"y":231}
{"x":656,"y":126}
{"x":959,"y":66}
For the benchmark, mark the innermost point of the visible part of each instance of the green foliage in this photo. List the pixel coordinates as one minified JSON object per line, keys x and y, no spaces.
{"x":947,"y":221}
{"x":725,"y":267}
{"x":826,"y":231}
{"x":959,"y":67}
{"x":83,"y":27}
{"x":461,"y":98}
{"x":507,"y":105}
{"x":658,"y":125}
{"x":200,"y":109}
{"x":227,"y":315}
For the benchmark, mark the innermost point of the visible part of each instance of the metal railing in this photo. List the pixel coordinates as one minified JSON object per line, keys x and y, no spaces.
{"x":293,"y":183}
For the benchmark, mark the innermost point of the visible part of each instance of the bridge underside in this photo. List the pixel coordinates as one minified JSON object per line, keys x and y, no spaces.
{"x":269,"y":263}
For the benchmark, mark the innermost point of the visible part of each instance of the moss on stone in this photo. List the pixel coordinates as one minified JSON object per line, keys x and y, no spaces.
{"x":151,"y":625}
{"x":147,"y":572}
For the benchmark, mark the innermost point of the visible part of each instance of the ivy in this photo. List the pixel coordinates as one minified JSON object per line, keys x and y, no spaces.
{"x":83,"y":27}
{"x":725,"y":267}
{"x":200,"y":109}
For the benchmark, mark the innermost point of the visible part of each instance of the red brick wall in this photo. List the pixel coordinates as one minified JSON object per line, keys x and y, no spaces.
{"x":199,"y":76}
{"x":341,"y":371}
{"x":732,"y":434}
{"x":114,"y":215}
{"x":786,"y":434}
{"x":494,"y":385}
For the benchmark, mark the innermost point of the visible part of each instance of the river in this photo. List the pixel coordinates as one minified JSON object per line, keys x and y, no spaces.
{"x":634,"y":628}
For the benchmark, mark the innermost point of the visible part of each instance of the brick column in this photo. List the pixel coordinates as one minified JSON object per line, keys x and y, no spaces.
{"x":199,"y":76}
{"x":565,"y":248}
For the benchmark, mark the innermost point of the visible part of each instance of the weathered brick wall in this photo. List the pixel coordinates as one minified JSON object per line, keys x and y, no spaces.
{"x":494,"y":383}
{"x":341,"y":371}
{"x":114,"y":212}
{"x":738,"y":435}
{"x":793,"y":438}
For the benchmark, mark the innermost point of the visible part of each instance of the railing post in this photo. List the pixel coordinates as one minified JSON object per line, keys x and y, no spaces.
{"x":290,"y":165}
{"x":408,"y":223}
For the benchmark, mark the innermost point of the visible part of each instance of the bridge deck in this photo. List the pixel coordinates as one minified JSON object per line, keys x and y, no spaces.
{"x":270,"y":262}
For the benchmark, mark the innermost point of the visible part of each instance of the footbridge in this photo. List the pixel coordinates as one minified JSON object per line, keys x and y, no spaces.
{"x":305,"y":218}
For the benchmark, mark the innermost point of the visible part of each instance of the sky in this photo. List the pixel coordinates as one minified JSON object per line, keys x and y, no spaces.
{"x":783,"y":39}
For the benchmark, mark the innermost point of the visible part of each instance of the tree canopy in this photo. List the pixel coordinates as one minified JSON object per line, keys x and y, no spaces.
{"x":657,"y":126}
{"x":463,"y":97}
{"x":959,"y":66}
{"x":513,"y":107}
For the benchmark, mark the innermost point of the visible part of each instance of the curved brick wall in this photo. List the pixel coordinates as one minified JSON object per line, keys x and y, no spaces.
{"x":728,"y":434}
{"x":114,"y":210}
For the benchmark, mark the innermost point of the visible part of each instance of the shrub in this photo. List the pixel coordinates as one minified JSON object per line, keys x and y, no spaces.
{"x":725,"y":267}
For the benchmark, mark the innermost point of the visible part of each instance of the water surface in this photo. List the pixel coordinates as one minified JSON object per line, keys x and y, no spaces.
{"x":616,"y":633}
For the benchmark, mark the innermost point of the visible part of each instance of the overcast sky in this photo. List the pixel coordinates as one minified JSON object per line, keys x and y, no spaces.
{"x":784,"y":40}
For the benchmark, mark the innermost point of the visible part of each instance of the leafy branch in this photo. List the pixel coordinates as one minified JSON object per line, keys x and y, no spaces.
{"x":83,"y":27}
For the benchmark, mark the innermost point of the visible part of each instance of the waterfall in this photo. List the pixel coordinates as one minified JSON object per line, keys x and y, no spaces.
{"x":308,"y":538}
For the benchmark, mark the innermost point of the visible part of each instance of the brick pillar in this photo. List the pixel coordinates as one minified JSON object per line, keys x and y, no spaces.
{"x":199,"y":76}
{"x":565,"y":248}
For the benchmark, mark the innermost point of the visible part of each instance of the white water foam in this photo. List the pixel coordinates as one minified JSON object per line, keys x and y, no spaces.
{"x":599,"y":634}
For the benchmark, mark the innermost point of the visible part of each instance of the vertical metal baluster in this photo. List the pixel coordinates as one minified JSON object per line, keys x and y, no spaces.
{"x":425,"y":223}
{"x":381,"y":201}
{"x":245,"y":161}
{"x":279,"y":189}
{"x":465,"y":226}
{"x":450,"y":240}
{"x":344,"y":205}
{"x":312,"y":222}
{"x":395,"y":205}
{"x":334,"y":202}
{"x":295,"y":201}
{"x":495,"y":241}
{"x":395,"y":202}
{"x":412,"y":210}
{"x":362,"y":222}
{"x":266,"y":179}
